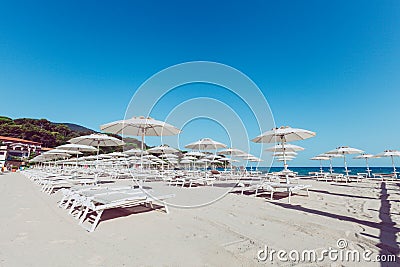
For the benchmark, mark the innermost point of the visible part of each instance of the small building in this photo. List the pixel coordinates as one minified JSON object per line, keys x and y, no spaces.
{"x":3,"y":156}
{"x":19,"y":148}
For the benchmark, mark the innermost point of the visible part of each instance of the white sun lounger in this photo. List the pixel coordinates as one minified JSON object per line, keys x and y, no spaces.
{"x":99,"y":204}
{"x":273,"y":188}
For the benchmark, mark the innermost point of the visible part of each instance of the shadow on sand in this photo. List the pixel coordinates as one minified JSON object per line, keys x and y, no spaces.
{"x":387,"y":228}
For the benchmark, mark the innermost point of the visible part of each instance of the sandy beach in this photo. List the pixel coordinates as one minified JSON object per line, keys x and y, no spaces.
{"x":229,"y":232}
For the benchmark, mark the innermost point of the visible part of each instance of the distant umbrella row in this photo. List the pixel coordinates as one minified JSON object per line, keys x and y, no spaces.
{"x":345,"y":150}
{"x":141,"y":126}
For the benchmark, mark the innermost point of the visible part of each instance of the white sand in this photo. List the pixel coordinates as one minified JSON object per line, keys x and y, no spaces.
{"x":229,"y":232}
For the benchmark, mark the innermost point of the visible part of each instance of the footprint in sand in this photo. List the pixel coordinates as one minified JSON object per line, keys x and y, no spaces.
{"x":21,"y":236}
{"x":96,"y":260}
{"x":63,"y":241}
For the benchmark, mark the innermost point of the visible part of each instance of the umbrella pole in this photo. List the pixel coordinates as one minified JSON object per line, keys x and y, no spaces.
{"x":142,"y":147}
{"x":284,"y":161}
{"x":330,"y":165}
{"x":97,"y":162}
{"x":368,"y":170}
{"x":394,"y":167}
{"x":345,"y":165}
{"x":320,"y":165}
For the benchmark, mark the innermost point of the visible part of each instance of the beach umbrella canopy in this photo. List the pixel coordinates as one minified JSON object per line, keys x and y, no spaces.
{"x":254,"y":159}
{"x":169,"y":156}
{"x":202,"y":161}
{"x":117,"y":154}
{"x":280,"y":154}
{"x":205,"y":144}
{"x":78,"y":147}
{"x":189,"y":158}
{"x":97,"y":140}
{"x":344,"y":150}
{"x":391,"y":154}
{"x":164,"y":149}
{"x":150,"y":157}
{"x":212,"y":156}
{"x":283,"y":134}
{"x":366,"y":157}
{"x":284,"y":148}
{"x":135,"y":151}
{"x":231,"y":152}
{"x":283,"y":159}
{"x":244,"y":155}
{"x":195,"y":154}
{"x":71,"y":152}
{"x":55,"y":155}
{"x":140,"y":126}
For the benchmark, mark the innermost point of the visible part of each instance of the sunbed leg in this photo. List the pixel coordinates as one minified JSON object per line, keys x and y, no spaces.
{"x":96,"y":221}
{"x":290,"y":194}
{"x":272,"y":195}
{"x":308,"y":193}
{"x":166,"y":208}
{"x":84,"y":215}
{"x":72,"y":207}
{"x":66,"y":205}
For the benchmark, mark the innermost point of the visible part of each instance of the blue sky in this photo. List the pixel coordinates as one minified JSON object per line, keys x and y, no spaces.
{"x":328,"y":66}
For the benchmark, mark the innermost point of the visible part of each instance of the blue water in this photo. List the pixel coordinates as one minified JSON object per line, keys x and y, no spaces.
{"x":306,"y":170}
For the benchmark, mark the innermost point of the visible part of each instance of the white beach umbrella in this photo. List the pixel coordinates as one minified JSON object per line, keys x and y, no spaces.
{"x":212,"y":156}
{"x":150,"y":157}
{"x":245,"y":155}
{"x":78,"y":147}
{"x":280,"y":154}
{"x":320,"y":158}
{"x":97,"y":140}
{"x":231,"y":152}
{"x":391,"y":154}
{"x":202,"y":161}
{"x":366,"y":157}
{"x":344,"y":150}
{"x":189,"y":158}
{"x":135,"y":151}
{"x":71,"y":152}
{"x":283,"y":159}
{"x":164,"y":149}
{"x":330,"y":156}
{"x":117,"y":155}
{"x":168,"y":156}
{"x":283,"y":134}
{"x":140,"y":126}
{"x":195,"y":154}
{"x":205,"y":144}
{"x":284,"y":148}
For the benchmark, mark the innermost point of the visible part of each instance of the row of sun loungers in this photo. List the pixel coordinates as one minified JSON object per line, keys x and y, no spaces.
{"x":86,"y":201}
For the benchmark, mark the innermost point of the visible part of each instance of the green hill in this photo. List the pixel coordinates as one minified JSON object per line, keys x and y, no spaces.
{"x":51,"y":134}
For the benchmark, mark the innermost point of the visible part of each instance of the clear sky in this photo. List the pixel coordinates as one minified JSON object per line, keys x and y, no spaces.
{"x":328,"y":66}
